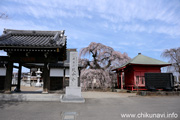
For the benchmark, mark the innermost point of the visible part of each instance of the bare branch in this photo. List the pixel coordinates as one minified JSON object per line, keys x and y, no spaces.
{"x":174,"y":57}
{"x":3,"y":16}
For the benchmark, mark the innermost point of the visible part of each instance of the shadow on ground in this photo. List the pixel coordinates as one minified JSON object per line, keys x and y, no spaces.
{"x":5,"y":104}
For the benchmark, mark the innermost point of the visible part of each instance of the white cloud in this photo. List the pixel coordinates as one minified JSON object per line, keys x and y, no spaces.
{"x":158,"y":50}
{"x":22,"y":25}
{"x":120,"y":24}
{"x":126,"y":15}
{"x":46,"y":9}
{"x":138,"y":27}
{"x":125,"y":43}
{"x":124,"y":10}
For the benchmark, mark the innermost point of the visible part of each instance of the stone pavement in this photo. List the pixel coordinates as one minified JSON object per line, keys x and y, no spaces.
{"x":32,"y":88}
{"x":106,"y":108}
{"x":29,"y":88}
{"x":98,"y":106}
{"x":94,"y":94}
{"x":37,"y":96}
{"x":29,"y":97}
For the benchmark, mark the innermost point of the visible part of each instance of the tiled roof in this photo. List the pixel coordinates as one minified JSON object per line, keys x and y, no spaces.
{"x":144,"y":60}
{"x":32,"y":38}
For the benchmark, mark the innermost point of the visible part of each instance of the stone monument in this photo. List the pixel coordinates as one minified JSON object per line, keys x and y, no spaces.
{"x":73,"y":92}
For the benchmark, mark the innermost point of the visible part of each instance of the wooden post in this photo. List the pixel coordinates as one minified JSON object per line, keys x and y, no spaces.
{"x":121,"y":81}
{"x":64,"y":77}
{"x":19,"y":78}
{"x":117,"y":78}
{"x":8,"y":79}
{"x":46,"y":79}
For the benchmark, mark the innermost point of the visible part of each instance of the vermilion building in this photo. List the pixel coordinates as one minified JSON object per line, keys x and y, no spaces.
{"x":134,"y":70}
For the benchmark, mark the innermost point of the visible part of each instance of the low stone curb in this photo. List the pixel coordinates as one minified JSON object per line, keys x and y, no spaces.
{"x":29,"y":97}
{"x":159,"y":93}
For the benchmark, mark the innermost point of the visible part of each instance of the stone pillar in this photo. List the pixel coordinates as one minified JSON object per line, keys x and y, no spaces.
{"x":46,"y":78}
{"x":73,"y":92}
{"x":19,"y":78}
{"x":8,"y":79}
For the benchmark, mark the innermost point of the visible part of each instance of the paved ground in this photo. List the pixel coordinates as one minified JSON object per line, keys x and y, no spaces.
{"x":95,"y":94}
{"x":31,"y":88}
{"x":98,"y":106}
{"x":38,"y":96}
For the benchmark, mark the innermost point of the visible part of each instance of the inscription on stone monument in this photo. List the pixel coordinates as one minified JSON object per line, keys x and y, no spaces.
{"x":73,"y":69}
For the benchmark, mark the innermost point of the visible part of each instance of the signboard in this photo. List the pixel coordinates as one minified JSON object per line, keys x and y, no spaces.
{"x":155,"y":81}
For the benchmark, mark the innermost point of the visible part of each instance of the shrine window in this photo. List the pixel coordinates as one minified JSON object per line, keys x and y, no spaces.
{"x":137,"y":80}
{"x":143,"y":79}
{"x":140,"y":80}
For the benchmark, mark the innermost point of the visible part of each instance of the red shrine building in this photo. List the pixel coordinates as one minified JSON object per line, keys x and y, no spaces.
{"x":131,"y":75}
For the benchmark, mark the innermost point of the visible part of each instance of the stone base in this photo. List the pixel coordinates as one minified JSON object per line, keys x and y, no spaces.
{"x":38,"y":84}
{"x":71,"y":99}
{"x":17,"y":90}
{"x":73,"y":91}
{"x":159,"y":93}
{"x":7,"y":92}
{"x":28,"y":85}
{"x":44,"y":92}
{"x":73,"y":95}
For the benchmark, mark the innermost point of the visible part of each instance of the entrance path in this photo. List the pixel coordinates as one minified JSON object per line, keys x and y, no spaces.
{"x":38,"y":96}
{"x":94,"y":94}
{"x":32,"y":88}
{"x":93,"y":109}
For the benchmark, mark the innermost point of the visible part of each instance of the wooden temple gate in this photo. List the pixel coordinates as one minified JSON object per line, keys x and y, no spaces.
{"x":24,"y":47}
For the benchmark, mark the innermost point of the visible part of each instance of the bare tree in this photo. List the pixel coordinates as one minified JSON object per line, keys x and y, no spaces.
{"x":174,"y":58}
{"x":3,"y":16}
{"x":102,"y":60}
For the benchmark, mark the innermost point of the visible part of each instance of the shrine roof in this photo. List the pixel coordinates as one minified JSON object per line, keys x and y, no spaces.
{"x":144,"y":60}
{"x":32,"y":38}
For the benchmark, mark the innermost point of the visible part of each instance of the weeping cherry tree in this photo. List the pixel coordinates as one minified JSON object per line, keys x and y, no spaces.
{"x":102,"y":59}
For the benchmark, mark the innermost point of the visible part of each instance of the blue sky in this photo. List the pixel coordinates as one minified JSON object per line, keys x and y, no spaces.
{"x":131,"y":26}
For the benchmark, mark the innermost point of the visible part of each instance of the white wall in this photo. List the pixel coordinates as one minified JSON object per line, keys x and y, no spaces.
{"x":56,"y":72}
{"x":59,"y":72}
{"x":67,"y":73}
{"x":2,"y":71}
